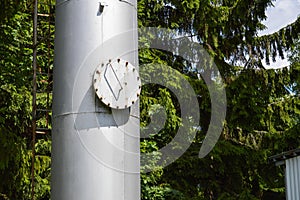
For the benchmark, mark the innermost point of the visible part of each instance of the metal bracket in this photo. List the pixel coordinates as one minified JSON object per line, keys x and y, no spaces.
{"x":102,"y":4}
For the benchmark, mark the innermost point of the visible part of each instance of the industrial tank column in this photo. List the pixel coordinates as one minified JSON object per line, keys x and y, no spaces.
{"x":95,"y":136}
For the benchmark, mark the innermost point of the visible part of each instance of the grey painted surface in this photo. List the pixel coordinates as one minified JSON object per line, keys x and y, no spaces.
{"x":95,"y":150}
{"x":293,"y":178}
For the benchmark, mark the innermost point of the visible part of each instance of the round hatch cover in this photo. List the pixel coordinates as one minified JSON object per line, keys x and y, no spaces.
{"x":117,"y":84}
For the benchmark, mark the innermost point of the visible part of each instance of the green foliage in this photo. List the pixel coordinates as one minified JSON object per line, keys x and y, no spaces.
{"x":15,"y":153}
{"x":15,"y":105}
{"x":263,"y":110}
{"x":271,"y":46}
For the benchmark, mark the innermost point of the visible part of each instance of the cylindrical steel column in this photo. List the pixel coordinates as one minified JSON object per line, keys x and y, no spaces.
{"x":95,"y":149}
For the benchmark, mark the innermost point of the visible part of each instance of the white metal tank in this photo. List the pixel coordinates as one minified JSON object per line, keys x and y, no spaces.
{"x":95,"y":150}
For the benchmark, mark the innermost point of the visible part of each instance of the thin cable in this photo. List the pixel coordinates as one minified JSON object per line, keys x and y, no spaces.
{"x":34,"y":90}
{"x":48,"y":67}
{"x":131,"y":4}
{"x":63,"y":2}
